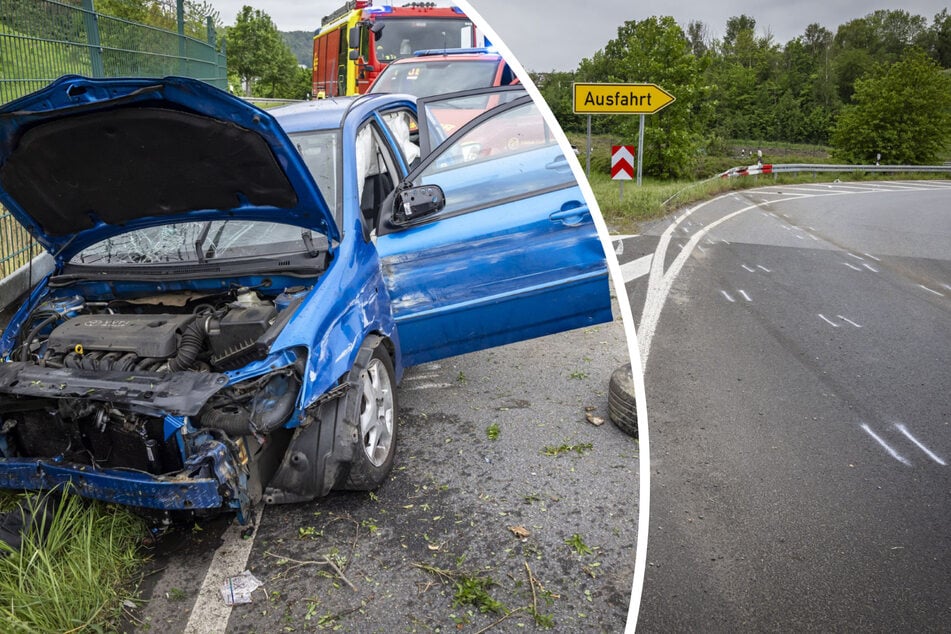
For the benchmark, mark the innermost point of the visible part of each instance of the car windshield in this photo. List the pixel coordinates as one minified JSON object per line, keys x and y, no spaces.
{"x":401,"y":37}
{"x":428,"y":77}
{"x":198,"y":242}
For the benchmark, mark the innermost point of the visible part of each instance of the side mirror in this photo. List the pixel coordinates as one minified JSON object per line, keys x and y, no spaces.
{"x":354,"y":37}
{"x":415,"y":202}
{"x":354,"y":54}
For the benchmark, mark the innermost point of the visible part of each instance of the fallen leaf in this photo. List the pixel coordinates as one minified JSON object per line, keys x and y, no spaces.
{"x":597,"y":421}
{"x":520,"y":531}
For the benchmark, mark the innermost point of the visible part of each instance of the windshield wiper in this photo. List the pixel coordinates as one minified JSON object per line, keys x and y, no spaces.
{"x":200,"y":241}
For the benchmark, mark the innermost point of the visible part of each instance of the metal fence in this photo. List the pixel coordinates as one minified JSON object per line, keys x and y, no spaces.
{"x":41,"y":40}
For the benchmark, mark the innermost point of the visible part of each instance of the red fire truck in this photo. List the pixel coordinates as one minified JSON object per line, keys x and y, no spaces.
{"x":358,"y":40}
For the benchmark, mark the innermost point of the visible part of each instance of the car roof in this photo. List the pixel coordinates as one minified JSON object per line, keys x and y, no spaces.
{"x":330,"y":113}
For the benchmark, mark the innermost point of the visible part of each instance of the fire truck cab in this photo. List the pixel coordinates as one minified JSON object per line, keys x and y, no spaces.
{"x":358,"y":40}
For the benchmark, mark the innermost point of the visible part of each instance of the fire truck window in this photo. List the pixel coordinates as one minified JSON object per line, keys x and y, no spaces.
{"x":342,"y":61}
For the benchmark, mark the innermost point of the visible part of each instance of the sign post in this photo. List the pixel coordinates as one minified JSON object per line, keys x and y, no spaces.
{"x":642,"y":99}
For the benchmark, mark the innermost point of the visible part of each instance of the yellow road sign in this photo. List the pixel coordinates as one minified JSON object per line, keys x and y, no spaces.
{"x":619,"y":98}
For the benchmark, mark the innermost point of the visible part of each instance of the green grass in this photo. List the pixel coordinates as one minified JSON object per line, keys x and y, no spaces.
{"x":77,"y":578}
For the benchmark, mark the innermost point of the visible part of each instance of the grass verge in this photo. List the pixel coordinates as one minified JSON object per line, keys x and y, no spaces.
{"x":75,"y":579}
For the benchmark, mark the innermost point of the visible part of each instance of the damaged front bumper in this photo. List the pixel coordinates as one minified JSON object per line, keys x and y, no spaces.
{"x":210,"y":481}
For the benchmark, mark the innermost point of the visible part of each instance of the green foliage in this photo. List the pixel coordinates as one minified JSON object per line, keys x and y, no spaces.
{"x":163,"y":14}
{"x":902,"y":110}
{"x":474,"y":590}
{"x":74,"y":579}
{"x":656,"y":51}
{"x":259,"y":58}
{"x":744,"y":85}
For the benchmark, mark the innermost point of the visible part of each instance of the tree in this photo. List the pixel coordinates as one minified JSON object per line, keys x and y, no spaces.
{"x":901,"y":110}
{"x":656,"y":51}
{"x":256,"y":52}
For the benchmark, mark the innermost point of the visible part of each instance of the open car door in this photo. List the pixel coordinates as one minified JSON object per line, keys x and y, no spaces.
{"x":489,"y":240}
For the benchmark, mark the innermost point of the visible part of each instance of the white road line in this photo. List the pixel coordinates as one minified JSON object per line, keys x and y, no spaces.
{"x":848,"y":321}
{"x":750,"y":269}
{"x":421,"y":376}
{"x":931,"y":290}
{"x":210,"y":614}
{"x":826,"y":319}
{"x":894,"y":454}
{"x":765,"y":270}
{"x":869,"y":255}
{"x":660,"y":282}
{"x":870,"y":267}
{"x":702,"y":250}
{"x":813,"y":237}
{"x":852,"y":266}
{"x":728,"y":297}
{"x":745,"y":296}
{"x":947,"y":286}
{"x":799,"y":237}
{"x":919,"y":444}
{"x":636,"y":268}
{"x":427,"y":386}
{"x":857,"y":257}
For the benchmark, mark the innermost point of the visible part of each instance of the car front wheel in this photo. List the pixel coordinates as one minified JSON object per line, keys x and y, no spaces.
{"x":371,"y":414}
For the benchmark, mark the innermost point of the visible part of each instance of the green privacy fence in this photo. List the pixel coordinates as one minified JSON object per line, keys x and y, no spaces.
{"x":41,"y":40}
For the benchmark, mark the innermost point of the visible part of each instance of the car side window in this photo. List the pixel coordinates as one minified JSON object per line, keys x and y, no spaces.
{"x":402,"y":125}
{"x":377,"y":174}
{"x":506,"y":157}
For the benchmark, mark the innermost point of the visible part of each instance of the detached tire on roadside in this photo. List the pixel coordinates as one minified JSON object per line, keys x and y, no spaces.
{"x":370,"y":411}
{"x":622,"y":405}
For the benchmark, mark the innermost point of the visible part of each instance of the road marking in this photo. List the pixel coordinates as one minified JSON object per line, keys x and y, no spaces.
{"x":848,"y":321}
{"x":852,"y":266}
{"x":765,"y":270}
{"x":825,"y":319}
{"x":920,"y":445}
{"x":210,"y":614}
{"x":421,"y":376}
{"x":947,"y":286}
{"x":868,"y":255}
{"x":728,"y":297}
{"x":931,"y":290}
{"x":870,"y":267}
{"x":428,"y":386}
{"x":745,"y":296}
{"x":857,"y":257}
{"x":636,"y":268}
{"x":750,"y":269}
{"x":894,"y":454}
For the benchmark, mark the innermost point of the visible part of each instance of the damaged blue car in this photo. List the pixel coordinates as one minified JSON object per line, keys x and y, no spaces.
{"x":236,"y":293}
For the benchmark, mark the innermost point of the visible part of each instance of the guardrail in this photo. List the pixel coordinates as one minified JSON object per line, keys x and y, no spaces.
{"x":795,"y":168}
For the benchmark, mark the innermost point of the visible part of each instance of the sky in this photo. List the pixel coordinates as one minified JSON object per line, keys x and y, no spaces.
{"x":556,"y":34}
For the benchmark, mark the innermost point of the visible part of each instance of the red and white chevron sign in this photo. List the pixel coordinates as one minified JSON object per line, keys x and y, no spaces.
{"x":622,"y":162}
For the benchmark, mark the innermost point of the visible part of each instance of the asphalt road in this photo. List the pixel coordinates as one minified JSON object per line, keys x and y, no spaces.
{"x":798,"y":342}
{"x":553,"y":497}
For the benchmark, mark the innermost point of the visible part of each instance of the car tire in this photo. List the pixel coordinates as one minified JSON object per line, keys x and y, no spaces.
{"x":622,"y":405}
{"x":370,"y":412}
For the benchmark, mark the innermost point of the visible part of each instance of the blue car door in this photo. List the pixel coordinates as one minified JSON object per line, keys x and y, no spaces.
{"x":512,"y":253}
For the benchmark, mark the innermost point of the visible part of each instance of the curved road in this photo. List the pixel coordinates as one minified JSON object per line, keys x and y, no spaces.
{"x":799,"y":383}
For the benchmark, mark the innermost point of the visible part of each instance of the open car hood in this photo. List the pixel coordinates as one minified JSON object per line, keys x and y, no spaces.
{"x":85,"y":159}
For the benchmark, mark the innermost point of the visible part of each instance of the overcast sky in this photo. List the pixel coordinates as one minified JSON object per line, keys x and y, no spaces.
{"x":557,"y":34}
